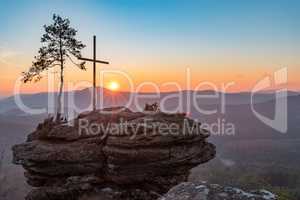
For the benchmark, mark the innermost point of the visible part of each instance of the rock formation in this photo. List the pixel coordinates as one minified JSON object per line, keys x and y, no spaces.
{"x":115,"y":148}
{"x":205,"y":191}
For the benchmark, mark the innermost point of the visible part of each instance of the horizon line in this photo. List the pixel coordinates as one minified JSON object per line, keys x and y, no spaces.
{"x":171,"y":91}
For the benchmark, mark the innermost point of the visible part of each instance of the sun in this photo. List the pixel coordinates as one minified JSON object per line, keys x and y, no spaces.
{"x":113,"y":85}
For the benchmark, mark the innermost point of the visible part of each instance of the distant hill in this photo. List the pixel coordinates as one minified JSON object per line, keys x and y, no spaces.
{"x":248,"y":126}
{"x":82,"y":98}
{"x":237,"y":108}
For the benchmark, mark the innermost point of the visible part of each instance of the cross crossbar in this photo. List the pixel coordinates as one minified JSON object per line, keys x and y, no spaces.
{"x":92,"y":60}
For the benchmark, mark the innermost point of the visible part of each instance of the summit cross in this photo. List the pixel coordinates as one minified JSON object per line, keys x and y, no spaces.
{"x":94,"y":60}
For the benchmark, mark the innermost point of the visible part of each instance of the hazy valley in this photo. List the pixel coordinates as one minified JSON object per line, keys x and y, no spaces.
{"x":256,"y":155}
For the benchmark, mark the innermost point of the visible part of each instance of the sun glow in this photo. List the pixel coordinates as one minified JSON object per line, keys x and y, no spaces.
{"x":113,"y":85}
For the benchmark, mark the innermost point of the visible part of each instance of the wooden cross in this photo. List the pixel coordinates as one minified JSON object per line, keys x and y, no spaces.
{"x":94,"y":70}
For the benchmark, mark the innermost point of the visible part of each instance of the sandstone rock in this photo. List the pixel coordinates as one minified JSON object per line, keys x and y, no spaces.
{"x":131,"y":150}
{"x":205,"y":191}
{"x":121,"y":194}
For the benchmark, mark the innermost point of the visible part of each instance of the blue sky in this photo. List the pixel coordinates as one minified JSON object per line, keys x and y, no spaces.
{"x":227,"y":23}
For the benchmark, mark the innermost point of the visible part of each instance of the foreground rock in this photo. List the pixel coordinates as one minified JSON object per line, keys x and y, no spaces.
{"x":116,"y":148}
{"x":204,"y":191}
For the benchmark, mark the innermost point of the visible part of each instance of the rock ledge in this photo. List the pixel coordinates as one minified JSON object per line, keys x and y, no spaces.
{"x":66,"y":162}
{"x":205,"y":191}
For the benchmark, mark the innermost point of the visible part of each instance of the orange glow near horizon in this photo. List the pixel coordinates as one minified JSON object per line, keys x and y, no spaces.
{"x":142,"y":83}
{"x":244,"y":78}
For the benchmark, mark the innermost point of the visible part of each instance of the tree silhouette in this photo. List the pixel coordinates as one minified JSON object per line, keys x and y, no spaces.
{"x":59,"y":44}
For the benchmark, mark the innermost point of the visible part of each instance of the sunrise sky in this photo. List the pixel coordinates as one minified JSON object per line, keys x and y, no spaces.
{"x":152,"y":40}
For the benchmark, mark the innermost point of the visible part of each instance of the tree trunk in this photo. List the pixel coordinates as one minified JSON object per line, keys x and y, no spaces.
{"x":59,"y":98}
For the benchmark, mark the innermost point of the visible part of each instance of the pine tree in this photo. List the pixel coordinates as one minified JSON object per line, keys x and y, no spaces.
{"x":59,"y":44}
